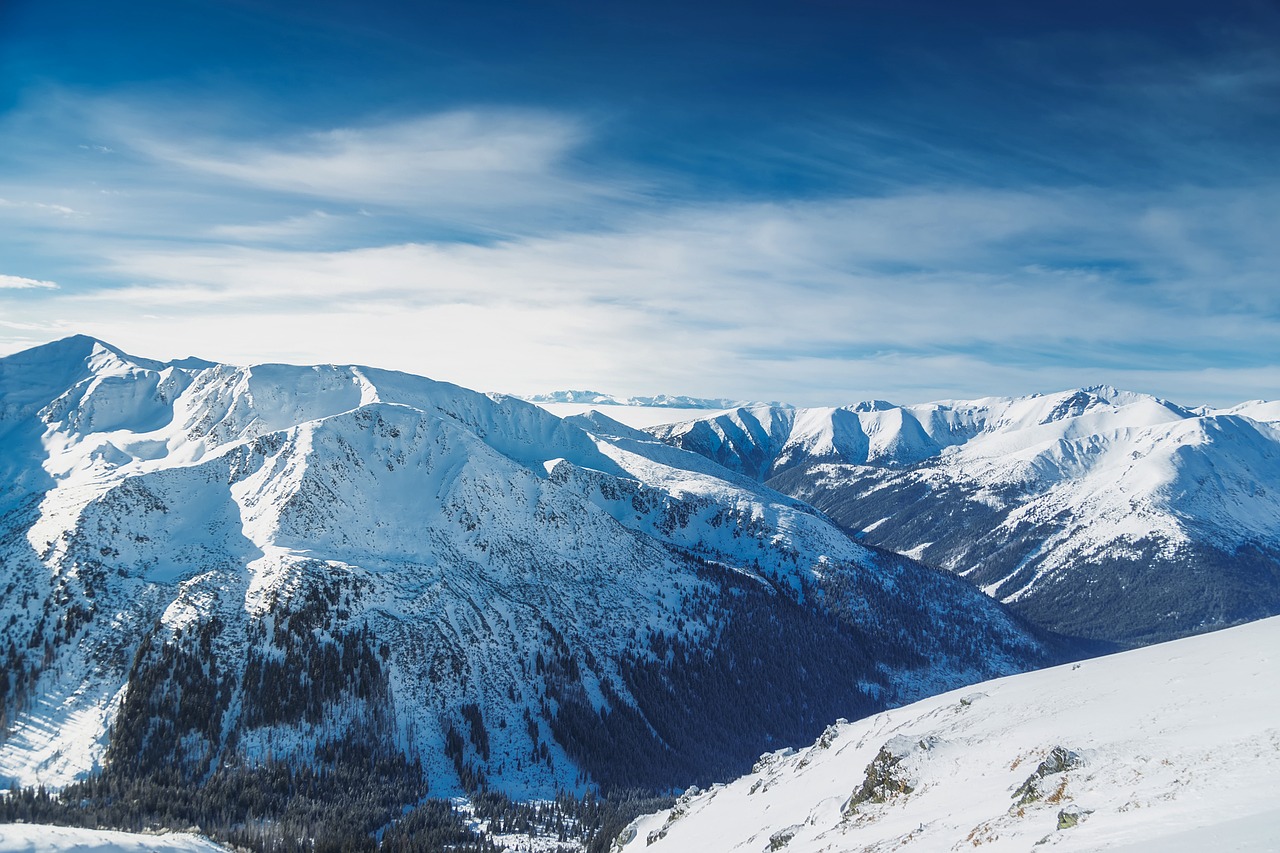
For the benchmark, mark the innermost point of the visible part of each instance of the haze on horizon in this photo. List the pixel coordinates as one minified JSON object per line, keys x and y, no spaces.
{"x":818,"y":203}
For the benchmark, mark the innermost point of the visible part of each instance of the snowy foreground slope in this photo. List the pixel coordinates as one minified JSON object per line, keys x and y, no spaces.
{"x":205,"y":565}
{"x":34,"y":838}
{"x":1096,"y":512}
{"x":1172,"y":748}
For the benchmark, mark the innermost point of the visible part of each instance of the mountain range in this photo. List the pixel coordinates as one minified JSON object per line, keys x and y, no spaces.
{"x":210,"y":567}
{"x":1094,"y":512}
{"x":660,"y":401}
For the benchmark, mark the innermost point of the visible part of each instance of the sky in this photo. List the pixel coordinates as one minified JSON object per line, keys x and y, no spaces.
{"x":813,"y":201}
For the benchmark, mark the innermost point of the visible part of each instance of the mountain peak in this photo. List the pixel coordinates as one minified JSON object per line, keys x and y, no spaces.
{"x":76,"y":352}
{"x":400,"y":563}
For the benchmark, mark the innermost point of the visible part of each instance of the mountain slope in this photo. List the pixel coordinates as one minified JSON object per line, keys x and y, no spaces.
{"x":209,"y":565}
{"x":33,"y":838}
{"x":1168,"y":748}
{"x":1095,"y":512}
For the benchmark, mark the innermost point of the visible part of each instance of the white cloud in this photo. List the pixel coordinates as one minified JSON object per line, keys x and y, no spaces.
{"x":919,"y":294}
{"x":457,"y":160}
{"x":906,"y":298}
{"x":38,"y":206}
{"x":307,"y":225}
{"x":17,"y":282}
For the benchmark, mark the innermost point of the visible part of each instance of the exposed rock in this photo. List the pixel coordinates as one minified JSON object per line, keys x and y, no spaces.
{"x":769,"y":759}
{"x":889,"y":774}
{"x":1060,"y":760}
{"x":783,"y":837}
{"x":625,"y":837}
{"x":1071,"y":816}
{"x":679,"y":810}
{"x":830,"y":734}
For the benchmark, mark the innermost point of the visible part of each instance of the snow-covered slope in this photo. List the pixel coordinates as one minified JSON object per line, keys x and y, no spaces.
{"x":1100,"y":512}
{"x":1175,"y":747}
{"x":205,"y":562}
{"x":638,"y":417}
{"x":639,"y":412}
{"x":34,"y":838}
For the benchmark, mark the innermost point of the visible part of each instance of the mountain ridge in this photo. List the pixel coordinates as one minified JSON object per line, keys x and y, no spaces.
{"x":211,"y":564}
{"x":660,"y":401}
{"x":1017,"y":494}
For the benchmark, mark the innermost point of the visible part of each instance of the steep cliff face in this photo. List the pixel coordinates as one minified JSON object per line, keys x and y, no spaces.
{"x":206,"y":563}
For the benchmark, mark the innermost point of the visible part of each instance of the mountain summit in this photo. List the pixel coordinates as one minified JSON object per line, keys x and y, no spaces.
{"x":1093,"y":511}
{"x":210,"y":566}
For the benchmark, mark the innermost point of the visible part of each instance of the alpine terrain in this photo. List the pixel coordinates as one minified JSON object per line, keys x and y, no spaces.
{"x":1172,"y":748}
{"x":658,"y":401}
{"x":341,"y":578}
{"x":1095,"y":512}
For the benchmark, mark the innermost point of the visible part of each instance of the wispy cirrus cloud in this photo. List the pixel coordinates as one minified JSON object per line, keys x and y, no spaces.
{"x":138,"y":169}
{"x":910,"y":297}
{"x":313,"y":223}
{"x":37,"y":207}
{"x":456,"y":161}
{"x":17,"y":282}
{"x":1052,"y":212}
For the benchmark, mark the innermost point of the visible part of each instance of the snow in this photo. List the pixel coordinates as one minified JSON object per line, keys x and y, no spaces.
{"x":638,"y":417}
{"x":514,"y":842}
{"x":1178,"y":746}
{"x":1266,"y":411}
{"x":1101,"y":468}
{"x":458,"y":526}
{"x":35,"y":838}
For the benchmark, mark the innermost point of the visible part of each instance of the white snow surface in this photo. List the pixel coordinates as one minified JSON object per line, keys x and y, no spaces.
{"x":639,"y":417}
{"x":1177,"y":748}
{"x":457,"y":526}
{"x":38,"y":838}
{"x":1103,"y":468}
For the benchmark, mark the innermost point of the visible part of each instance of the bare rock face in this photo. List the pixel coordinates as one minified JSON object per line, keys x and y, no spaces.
{"x":1071,"y":816}
{"x":782,"y":837}
{"x":891,"y":773}
{"x":1036,"y":787}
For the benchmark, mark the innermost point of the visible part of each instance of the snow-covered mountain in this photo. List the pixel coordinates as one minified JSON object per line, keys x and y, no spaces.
{"x":1097,"y":512}
{"x":660,"y":401}
{"x":205,"y":564}
{"x":1172,"y":748}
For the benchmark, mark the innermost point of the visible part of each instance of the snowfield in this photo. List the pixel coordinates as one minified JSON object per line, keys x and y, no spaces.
{"x":34,"y":838}
{"x":1174,"y":747}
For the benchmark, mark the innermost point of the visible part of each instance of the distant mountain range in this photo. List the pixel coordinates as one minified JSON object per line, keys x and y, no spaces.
{"x":210,"y":567}
{"x":1097,"y":512}
{"x":661,"y":401}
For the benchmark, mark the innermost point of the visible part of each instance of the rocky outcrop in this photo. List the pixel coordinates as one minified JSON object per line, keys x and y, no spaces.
{"x":891,"y":773}
{"x":1060,"y":760}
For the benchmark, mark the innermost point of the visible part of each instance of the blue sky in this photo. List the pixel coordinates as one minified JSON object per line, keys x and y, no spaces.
{"x":813,"y":201}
